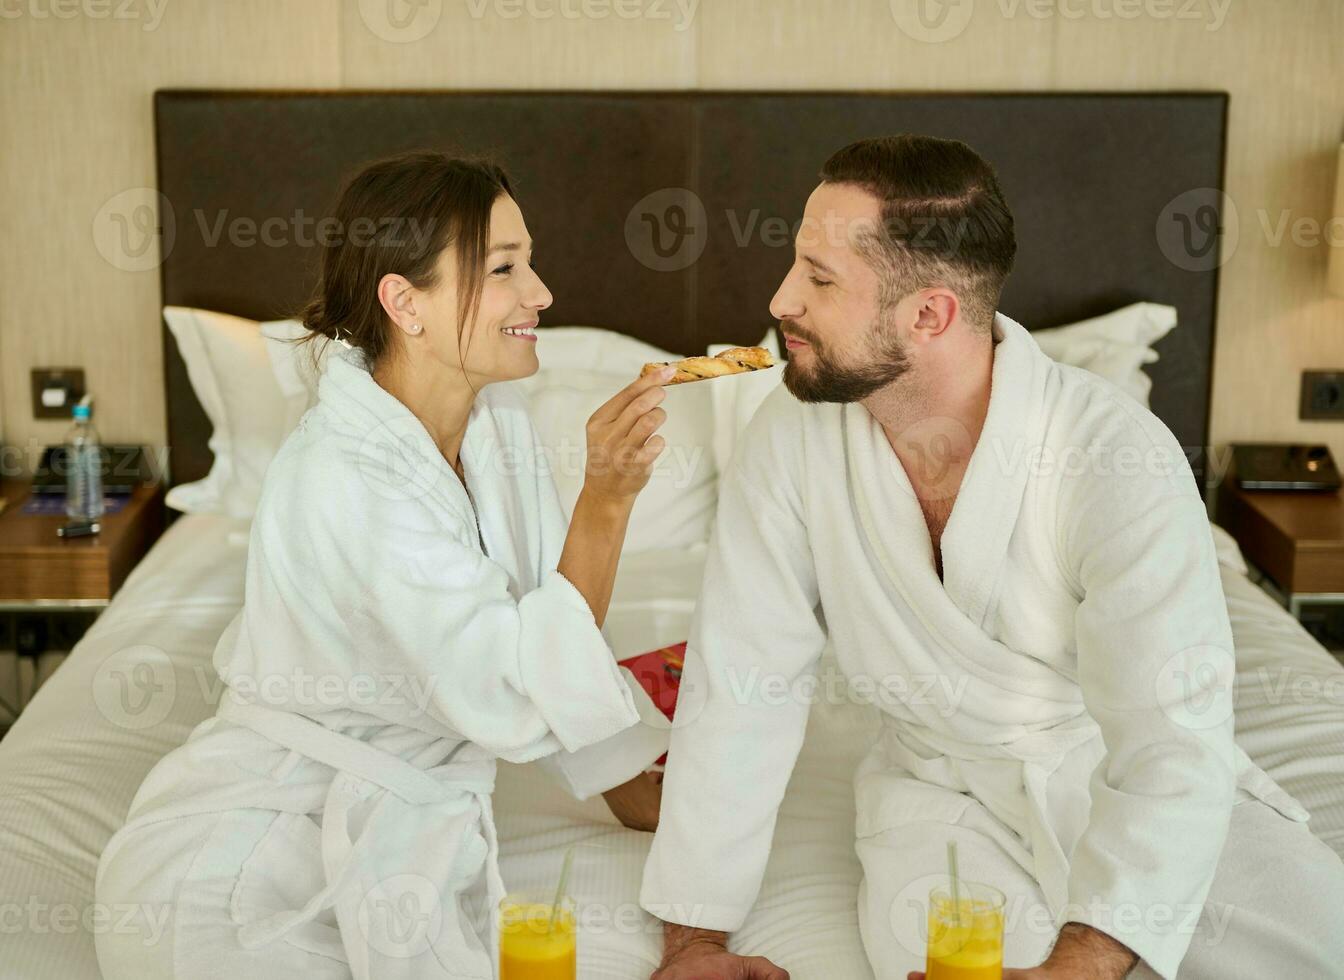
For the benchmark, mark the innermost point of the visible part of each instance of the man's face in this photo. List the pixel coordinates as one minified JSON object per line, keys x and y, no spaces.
{"x":843,"y":345}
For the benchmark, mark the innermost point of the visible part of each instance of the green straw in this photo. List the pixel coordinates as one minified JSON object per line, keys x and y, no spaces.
{"x":564,"y":878}
{"x":560,"y":887}
{"x":952,"y":874}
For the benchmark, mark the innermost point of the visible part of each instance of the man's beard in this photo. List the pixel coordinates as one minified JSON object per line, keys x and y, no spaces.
{"x":827,"y":380}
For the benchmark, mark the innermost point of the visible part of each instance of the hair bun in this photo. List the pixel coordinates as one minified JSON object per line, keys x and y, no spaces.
{"x":314,"y":317}
{"x":451,"y":198}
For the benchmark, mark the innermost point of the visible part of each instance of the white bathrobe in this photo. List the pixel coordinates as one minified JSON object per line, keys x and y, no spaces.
{"x":398,"y":635}
{"x":1063,"y":697}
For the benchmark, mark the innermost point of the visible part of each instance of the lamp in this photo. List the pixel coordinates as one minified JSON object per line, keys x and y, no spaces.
{"x":1335,"y":240}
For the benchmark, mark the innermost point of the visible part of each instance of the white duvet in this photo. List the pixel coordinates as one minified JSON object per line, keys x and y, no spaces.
{"x":70,"y":766}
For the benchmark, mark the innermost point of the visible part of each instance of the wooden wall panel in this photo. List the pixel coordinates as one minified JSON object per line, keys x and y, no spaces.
{"x":801,"y":44}
{"x":1282,"y":65}
{"x":75,"y":110}
{"x":511,"y":44}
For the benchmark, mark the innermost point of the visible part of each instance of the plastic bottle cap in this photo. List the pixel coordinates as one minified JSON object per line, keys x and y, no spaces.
{"x":82,"y":412}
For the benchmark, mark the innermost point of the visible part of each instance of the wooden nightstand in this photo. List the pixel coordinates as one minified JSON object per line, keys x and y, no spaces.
{"x":52,"y":589}
{"x":39,"y":570}
{"x":1296,"y":537}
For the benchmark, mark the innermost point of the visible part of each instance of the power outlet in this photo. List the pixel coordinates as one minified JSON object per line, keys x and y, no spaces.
{"x":55,"y":391}
{"x":1322,"y":395}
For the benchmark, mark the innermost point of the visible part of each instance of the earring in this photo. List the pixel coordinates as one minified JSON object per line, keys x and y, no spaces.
{"x":415,"y":328}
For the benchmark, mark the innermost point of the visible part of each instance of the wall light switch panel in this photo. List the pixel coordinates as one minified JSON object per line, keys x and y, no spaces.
{"x":55,"y":391}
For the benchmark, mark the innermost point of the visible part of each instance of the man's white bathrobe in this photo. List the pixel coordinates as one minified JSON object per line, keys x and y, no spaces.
{"x":334,"y":818}
{"x":1060,"y":703}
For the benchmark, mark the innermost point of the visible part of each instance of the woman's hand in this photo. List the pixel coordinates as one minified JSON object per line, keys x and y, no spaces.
{"x":621,"y":452}
{"x":636,"y":803}
{"x":622,"y":447}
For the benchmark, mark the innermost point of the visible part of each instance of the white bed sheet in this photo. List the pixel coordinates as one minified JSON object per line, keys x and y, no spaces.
{"x":806,"y":918}
{"x":74,"y":759}
{"x":70,"y":766}
{"x":1289,"y":699}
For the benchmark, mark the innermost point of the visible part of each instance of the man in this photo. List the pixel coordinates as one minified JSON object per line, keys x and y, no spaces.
{"x":940,"y":501}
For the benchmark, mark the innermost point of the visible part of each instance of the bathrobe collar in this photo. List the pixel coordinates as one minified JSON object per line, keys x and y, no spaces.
{"x":401,"y":452}
{"x":975,"y":541}
{"x":389,"y":429}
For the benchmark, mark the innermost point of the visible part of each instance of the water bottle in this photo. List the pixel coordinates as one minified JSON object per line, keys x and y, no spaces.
{"x":83,"y":466}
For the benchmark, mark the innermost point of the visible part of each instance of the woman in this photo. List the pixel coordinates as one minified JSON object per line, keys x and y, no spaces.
{"x":414,"y":610}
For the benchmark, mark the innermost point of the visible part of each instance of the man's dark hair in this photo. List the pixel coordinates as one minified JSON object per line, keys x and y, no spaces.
{"x":944,"y":219}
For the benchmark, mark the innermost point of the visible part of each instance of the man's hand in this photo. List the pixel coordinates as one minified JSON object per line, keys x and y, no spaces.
{"x":636,"y":803}
{"x":702,"y":954}
{"x":1084,"y":953}
{"x":1080,"y":953}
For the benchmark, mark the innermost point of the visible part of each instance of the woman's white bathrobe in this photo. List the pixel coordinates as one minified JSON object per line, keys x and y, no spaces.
{"x":334,"y":818}
{"x":1060,"y":703}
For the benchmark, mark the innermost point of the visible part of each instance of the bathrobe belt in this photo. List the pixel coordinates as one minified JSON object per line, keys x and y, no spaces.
{"x":1039,"y":754}
{"x":362,"y":772}
{"x":918,"y":749}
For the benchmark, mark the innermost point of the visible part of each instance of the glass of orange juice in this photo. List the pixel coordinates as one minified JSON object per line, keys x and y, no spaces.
{"x":965,"y":934}
{"x":533,"y":943}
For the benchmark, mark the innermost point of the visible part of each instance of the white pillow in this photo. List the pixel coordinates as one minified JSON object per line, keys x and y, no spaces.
{"x":230,"y":372}
{"x":298,"y":367}
{"x":1114,"y":346}
{"x":736,"y":402}
{"x":581,"y":369}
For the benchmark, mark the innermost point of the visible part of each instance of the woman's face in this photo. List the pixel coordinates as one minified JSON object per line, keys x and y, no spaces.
{"x":501,"y":343}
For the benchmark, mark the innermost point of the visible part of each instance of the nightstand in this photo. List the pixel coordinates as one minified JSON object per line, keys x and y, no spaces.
{"x":45,"y":579}
{"x":1296,"y":537}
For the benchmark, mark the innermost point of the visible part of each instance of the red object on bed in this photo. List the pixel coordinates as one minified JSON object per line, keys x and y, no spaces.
{"x":659,"y":673}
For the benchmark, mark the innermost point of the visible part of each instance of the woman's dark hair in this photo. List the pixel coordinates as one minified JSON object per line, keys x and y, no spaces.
{"x":944,"y":219}
{"x":397,"y":216}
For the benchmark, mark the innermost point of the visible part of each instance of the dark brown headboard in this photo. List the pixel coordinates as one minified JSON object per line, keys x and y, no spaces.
{"x":1090,"y":177}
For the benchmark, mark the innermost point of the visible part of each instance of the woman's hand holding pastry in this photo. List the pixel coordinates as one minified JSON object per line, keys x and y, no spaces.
{"x":622,"y":445}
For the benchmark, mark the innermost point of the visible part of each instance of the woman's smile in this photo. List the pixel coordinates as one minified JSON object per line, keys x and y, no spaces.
{"x":523,"y":331}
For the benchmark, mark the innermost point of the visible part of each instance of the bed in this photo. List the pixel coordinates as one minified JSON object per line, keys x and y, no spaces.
{"x":141,"y":678}
{"x":71,"y":765}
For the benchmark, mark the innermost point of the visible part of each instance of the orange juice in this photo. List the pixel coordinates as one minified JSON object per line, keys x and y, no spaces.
{"x":531,"y":946}
{"x":966,"y":937}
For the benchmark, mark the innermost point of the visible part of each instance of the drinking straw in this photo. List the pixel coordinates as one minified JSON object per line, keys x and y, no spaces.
{"x":952,"y":874}
{"x":564,"y":877}
{"x":560,"y":887}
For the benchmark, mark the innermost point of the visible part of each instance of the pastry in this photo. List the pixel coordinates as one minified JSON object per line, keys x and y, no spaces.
{"x":735,"y":360}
